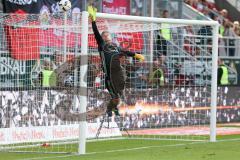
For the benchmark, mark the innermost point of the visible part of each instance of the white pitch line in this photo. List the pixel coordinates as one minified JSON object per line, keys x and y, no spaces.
{"x":111,"y":151}
{"x":38,"y":158}
{"x":225,"y":140}
{"x":128,"y":149}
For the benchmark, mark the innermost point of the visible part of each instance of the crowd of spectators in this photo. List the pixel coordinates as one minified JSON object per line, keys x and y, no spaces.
{"x":189,"y":100}
{"x":37,"y":107}
{"x":163,"y":120}
{"x":229,"y":31}
{"x":173,"y":119}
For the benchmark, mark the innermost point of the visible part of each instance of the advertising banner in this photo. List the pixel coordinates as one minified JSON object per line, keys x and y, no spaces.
{"x":53,"y":133}
{"x":36,"y":6}
{"x":116,"y":7}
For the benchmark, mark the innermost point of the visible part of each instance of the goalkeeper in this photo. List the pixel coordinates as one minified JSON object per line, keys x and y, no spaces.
{"x":110,"y":55}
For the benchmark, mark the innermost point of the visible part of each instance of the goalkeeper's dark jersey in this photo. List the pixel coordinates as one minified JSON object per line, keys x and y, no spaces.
{"x":110,"y":55}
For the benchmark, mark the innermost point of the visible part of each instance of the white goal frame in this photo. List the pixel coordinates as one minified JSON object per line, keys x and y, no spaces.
{"x":84,"y":51}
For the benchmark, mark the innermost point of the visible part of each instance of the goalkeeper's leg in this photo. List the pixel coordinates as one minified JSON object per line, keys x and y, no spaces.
{"x":113,"y":107}
{"x":115,"y":99}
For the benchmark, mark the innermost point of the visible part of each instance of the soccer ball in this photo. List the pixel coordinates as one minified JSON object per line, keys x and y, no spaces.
{"x":65,"y":5}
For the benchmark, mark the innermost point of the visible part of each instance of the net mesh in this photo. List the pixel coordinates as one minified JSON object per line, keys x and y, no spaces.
{"x":165,"y":97}
{"x":168,"y":95}
{"x":39,"y":69}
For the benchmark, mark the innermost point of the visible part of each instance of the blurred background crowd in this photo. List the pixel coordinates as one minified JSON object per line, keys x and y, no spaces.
{"x":178,"y":86}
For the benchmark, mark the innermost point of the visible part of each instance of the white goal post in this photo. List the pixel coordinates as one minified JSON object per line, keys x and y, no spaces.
{"x":176,"y":111}
{"x":83,"y":84}
{"x":215,"y":26}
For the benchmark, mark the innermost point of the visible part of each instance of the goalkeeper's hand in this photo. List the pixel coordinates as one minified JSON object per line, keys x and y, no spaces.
{"x":92,"y":12}
{"x":139,"y":57}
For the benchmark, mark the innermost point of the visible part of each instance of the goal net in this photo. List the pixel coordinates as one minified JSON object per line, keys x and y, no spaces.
{"x":52,"y":81}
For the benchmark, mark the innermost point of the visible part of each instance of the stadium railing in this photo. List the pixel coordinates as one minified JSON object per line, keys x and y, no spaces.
{"x":191,"y":13}
{"x":202,"y":49}
{"x":225,"y":48}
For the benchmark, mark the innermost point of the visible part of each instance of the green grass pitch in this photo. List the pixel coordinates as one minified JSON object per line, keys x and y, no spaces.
{"x":227,"y":148}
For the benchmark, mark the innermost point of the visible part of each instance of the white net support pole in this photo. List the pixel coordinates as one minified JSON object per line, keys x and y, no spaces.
{"x":155,"y":20}
{"x":83,"y":84}
{"x":65,"y":37}
{"x":214,"y":84}
{"x":151,"y":35}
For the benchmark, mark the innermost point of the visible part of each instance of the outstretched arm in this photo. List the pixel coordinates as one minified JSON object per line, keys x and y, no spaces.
{"x":131,"y":54}
{"x":97,"y":35}
{"x":92,"y":14}
{"x":124,"y":52}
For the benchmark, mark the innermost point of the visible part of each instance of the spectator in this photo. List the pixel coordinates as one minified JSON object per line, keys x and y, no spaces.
{"x":177,"y":76}
{"x":222,"y":73}
{"x":209,"y":46}
{"x":200,"y":5}
{"x":222,"y":27}
{"x":47,"y":77}
{"x":156,"y":78}
{"x":164,"y":36}
{"x":165,"y":14}
{"x":189,"y":40}
{"x":230,"y":36}
{"x":224,"y":13}
{"x":204,"y":31}
{"x":206,"y":12}
{"x":214,"y":15}
{"x":236,"y":28}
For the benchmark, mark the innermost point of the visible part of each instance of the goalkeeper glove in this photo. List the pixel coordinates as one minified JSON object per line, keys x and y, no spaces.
{"x":139,"y":57}
{"x":92,"y":12}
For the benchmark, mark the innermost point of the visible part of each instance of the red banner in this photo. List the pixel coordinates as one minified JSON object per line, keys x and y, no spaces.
{"x":116,"y":7}
{"x":55,"y":38}
{"x":23,"y":43}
